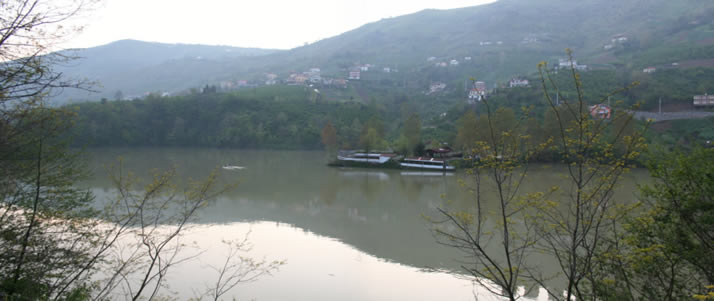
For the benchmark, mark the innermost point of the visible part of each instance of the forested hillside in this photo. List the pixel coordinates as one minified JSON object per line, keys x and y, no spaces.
{"x":501,"y":40}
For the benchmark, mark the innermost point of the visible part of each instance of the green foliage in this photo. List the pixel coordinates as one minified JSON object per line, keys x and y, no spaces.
{"x":467,"y":136}
{"x":683,"y":200}
{"x":237,"y":120}
{"x":47,"y":236}
{"x":412,"y":132}
{"x":665,"y":251}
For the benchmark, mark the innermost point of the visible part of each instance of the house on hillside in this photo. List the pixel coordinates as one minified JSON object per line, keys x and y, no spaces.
{"x":454,"y":63}
{"x":620,"y":38}
{"x":271,"y":79}
{"x":567,"y":64}
{"x":387,"y":69}
{"x":476,"y":95}
{"x":518,"y":82}
{"x":600,"y":111}
{"x":703,"y":100}
{"x":436,"y":87}
{"x":649,"y":70}
{"x":478,"y":92}
{"x":297,"y":79}
{"x":529,"y":40}
{"x":315,"y":78}
{"x":339,"y":82}
{"x":354,"y":75}
{"x":481,"y":86}
{"x":227,"y":85}
{"x":467,"y":58}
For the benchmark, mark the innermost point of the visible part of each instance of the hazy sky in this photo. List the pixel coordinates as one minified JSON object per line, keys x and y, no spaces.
{"x":279,"y":24}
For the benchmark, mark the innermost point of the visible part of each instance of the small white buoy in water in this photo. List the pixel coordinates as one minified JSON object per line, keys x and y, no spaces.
{"x":232,"y":167}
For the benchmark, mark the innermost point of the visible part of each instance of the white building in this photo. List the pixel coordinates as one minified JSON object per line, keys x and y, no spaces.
{"x":436,"y":87}
{"x":518,"y":82}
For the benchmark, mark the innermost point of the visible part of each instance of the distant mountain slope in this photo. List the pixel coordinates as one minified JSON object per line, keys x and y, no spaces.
{"x":504,"y":39}
{"x":529,"y":30}
{"x":130,"y":66}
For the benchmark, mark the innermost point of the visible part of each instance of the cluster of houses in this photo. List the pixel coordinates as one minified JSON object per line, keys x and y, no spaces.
{"x":313,"y":76}
{"x":451,"y":62}
{"x":355,"y":73}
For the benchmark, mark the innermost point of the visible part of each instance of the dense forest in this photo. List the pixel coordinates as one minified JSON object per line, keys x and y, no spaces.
{"x":219,"y":120}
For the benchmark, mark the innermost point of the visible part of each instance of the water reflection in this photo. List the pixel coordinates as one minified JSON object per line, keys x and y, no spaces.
{"x":379,"y":213}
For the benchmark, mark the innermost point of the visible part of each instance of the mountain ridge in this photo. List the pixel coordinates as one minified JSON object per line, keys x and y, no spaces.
{"x":528,"y":32}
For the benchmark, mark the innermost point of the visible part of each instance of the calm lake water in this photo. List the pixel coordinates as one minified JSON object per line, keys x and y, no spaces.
{"x":346,"y":234}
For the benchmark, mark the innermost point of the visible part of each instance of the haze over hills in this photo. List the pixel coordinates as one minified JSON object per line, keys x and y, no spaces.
{"x":503,"y":39}
{"x":133,"y":66}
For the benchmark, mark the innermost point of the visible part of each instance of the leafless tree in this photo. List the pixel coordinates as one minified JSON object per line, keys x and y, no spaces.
{"x":493,"y":235}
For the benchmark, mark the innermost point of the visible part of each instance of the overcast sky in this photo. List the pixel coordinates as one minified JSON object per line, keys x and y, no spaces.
{"x":281,"y":24}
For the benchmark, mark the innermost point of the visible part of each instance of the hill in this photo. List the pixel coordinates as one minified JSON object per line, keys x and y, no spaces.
{"x":503,"y":39}
{"x":135,"y":67}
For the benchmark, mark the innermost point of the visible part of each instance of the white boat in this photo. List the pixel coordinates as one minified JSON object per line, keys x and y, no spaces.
{"x":373,"y":158}
{"x":426,"y":163}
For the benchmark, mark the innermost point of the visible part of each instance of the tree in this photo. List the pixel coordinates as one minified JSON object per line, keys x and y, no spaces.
{"x":495,"y":246}
{"x":329,"y":138}
{"x":466,"y":136}
{"x":684,"y":201}
{"x":572,"y":222}
{"x":372,"y":136}
{"x":145,"y":230}
{"x":237,"y":269}
{"x":46,"y":233}
{"x":53,"y":239}
{"x":412,"y":132}
{"x":665,"y":252}
{"x":29,"y":29}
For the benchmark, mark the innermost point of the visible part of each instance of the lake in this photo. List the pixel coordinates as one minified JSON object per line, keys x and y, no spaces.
{"x":345,"y":234}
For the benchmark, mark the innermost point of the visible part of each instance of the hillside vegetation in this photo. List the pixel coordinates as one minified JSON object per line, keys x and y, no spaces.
{"x":504,"y":39}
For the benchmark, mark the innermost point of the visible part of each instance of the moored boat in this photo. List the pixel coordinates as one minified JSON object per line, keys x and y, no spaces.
{"x":426,"y":163}
{"x":366,"y":159}
{"x":374,"y":158}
